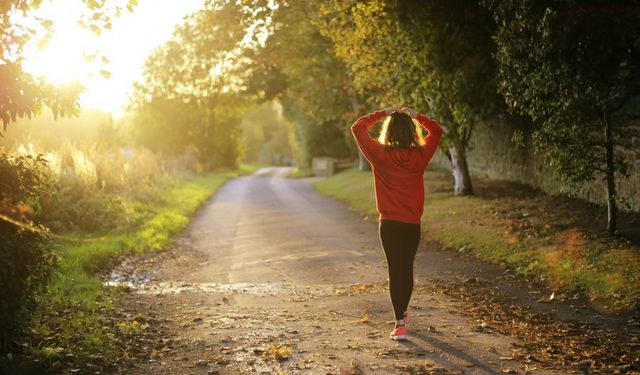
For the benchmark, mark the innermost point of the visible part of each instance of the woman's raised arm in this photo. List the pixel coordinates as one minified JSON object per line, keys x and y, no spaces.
{"x":360,"y":131}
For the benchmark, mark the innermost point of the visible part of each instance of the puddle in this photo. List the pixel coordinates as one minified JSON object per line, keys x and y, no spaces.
{"x":132,"y":280}
{"x":259,"y":289}
{"x":143,"y":280}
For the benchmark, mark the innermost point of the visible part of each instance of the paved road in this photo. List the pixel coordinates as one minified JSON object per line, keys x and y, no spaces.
{"x":267,"y":228}
{"x":269,"y":263}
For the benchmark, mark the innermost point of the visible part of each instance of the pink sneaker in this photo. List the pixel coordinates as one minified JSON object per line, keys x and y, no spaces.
{"x":399,"y":333}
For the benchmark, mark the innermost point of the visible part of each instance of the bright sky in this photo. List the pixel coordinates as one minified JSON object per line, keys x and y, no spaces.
{"x":126,"y":45}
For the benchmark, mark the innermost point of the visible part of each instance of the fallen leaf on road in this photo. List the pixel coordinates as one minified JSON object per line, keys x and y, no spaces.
{"x":467,"y":363}
{"x":340,"y":291}
{"x":362,"y":287}
{"x":279,"y":353}
{"x":364,"y":319}
{"x":549,"y":299}
{"x":482,"y":327}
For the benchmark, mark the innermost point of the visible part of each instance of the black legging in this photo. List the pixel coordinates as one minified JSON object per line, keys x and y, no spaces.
{"x":400,"y":243}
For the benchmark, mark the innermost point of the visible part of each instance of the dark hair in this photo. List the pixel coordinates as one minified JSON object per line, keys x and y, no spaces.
{"x":399,"y":131}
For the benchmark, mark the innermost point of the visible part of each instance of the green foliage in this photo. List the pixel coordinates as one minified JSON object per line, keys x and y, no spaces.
{"x":27,"y":256}
{"x":310,"y":138}
{"x":265,"y":134}
{"x":24,"y":179}
{"x":298,"y":67}
{"x":90,"y":212}
{"x":95,"y":184}
{"x":22,"y":94}
{"x":169,"y":126}
{"x":173,"y":128}
{"x":353,"y":187}
{"x":571,"y":66}
{"x":436,"y":56}
{"x":189,"y":99}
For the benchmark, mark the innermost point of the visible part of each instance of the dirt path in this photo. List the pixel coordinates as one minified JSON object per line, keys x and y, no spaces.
{"x":272,"y":277}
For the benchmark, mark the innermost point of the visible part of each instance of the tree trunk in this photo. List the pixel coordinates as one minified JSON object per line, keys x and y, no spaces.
{"x":363,"y":163}
{"x":612,"y":210}
{"x":460,"y":171}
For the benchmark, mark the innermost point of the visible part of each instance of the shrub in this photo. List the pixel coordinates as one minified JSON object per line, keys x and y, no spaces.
{"x":88,"y":212}
{"x":96,"y":184}
{"x":26,"y":256}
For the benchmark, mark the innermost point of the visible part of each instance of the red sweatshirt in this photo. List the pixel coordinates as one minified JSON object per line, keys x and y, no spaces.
{"x":398,"y":173}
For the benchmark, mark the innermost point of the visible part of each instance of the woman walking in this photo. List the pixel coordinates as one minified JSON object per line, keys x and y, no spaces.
{"x":398,"y":159}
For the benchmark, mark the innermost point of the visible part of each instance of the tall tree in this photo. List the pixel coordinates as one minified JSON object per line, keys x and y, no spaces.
{"x":435,"y":55}
{"x":190,"y":96}
{"x":297,"y":67}
{"x":573,"y":66}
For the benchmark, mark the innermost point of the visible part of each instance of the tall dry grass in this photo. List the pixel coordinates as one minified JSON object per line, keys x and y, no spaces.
{"x":97,"y":184}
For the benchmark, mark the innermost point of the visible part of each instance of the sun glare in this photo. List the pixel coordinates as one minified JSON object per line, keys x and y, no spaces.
{"x":61,"y":61}
{"x":126,"y":45}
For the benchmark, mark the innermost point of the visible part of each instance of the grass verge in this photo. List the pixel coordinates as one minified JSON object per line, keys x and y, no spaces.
{"x":554,"y":240}
{"x":76,"y":324}
{"x":300,"y":173}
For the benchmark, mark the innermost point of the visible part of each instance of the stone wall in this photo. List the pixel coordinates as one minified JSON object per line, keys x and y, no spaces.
{"x":493,"y":155}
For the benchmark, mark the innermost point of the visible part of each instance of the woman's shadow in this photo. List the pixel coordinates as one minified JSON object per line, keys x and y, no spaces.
{"x":448,"y":350}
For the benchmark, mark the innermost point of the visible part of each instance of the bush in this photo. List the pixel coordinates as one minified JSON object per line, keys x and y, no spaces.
{"x":96,"y":184}
{"x":87,"y":212}
{"x":26,"y":255}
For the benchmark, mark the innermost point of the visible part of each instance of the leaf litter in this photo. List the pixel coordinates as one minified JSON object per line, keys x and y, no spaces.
{"x":546,"y":340}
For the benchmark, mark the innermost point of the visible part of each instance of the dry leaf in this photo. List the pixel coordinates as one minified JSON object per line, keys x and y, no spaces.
{"x":278,"y":353}
{"x":549,"y":299}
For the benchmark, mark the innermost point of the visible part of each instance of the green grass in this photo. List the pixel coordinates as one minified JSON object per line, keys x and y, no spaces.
{"x":352,"y":187}
{"x":300,"y":173}
{"x":76,"y":316}
{"x":566,"y":259}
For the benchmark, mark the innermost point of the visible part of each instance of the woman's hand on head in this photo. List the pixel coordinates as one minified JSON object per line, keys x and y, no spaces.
{"x":390,"y":110}
{"x":410,"y":111}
